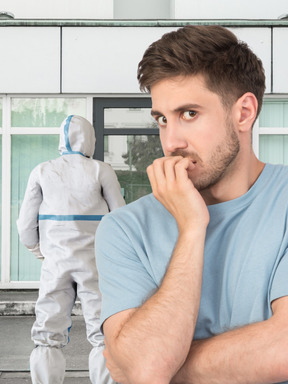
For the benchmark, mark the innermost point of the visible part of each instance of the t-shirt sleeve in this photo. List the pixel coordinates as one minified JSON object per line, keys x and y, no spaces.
{"x":279,"y":286}
{"x":124,"y":280}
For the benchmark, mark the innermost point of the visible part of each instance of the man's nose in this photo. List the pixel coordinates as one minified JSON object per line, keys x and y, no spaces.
{"x":172,"y":139}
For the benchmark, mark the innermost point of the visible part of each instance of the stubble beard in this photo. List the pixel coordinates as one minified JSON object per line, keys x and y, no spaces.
{"x":219,"y":163}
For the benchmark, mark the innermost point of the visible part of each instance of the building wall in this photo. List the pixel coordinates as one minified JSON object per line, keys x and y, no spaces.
{"x":79,"y":60}
{"x":227,"y":9}
{"x":60,"y":59}
{"x":145,"y":9}
{"x":55,"y":9}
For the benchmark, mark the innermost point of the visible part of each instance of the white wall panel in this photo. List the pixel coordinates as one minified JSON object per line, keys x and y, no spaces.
{"x":259,"y":40}
{"x":30,"y":60}
{"x":105,"y":60}
{"x":227,"y":9}
{"x":55,"y":9}
{"x":280,"y":60}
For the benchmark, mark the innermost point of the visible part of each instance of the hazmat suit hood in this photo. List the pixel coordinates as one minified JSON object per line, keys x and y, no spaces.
{"x":77,"y":136}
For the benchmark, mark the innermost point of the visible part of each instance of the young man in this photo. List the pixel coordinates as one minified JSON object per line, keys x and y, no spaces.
{"x":64,"y":202}
{"x":194,"y":277}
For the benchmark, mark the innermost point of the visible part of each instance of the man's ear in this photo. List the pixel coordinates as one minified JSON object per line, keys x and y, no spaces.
{"x":246,"y":107}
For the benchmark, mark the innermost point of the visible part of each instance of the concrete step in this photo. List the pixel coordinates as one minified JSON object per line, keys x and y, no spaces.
{"x":22,"y":303}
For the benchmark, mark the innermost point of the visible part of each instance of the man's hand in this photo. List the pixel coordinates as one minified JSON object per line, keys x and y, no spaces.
{"x":173,"y":188}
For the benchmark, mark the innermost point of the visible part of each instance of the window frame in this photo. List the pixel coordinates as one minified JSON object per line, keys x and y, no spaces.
{"x":99,"y":105}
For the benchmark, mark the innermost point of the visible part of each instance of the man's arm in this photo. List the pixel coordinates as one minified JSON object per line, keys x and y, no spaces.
{"x":256,"y":353}
{"x":150,"y":344}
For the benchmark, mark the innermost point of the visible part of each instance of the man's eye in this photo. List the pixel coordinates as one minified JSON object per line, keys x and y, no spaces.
{"x":162,"y":120}
{"x":189,"y":115}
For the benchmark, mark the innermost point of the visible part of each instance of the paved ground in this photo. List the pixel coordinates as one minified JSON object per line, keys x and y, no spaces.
{"x":24,"y":378}
{"x":16,"y":345}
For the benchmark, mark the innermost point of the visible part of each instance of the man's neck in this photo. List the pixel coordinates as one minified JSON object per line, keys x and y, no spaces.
{"x":234,"y":183}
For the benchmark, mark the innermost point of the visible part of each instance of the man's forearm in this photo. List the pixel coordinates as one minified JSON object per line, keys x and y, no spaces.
{"x":254,"y":354}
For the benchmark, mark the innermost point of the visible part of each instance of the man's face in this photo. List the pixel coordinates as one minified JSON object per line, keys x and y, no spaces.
{"x":193,"y":123}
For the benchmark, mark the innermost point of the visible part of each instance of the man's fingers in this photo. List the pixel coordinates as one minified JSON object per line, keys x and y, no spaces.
{"x":167,"y":173}
{"x":164,"y":168}
{"x":181,"y":169}
{"x":151,"y":176}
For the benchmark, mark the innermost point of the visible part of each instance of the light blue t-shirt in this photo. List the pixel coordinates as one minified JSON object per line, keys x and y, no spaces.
{"x":245,"y":261}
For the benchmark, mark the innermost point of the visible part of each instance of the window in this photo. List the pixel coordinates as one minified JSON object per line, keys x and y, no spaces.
{"x":131,"y":141}
{"x":34,"y":134}
{"x":44,"y":112}
{"x":273,"y":131}
{"x":127,"y":138}
{"x":26,"y":152}
{"x":1,"y":108}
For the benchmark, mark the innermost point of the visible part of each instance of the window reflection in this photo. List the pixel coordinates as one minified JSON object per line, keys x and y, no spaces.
{"x":136,"y":118}
{"x":273,"y":145}
{"x":130,"y":155}
{"x":27,"y":152}
{"x":44,"y":112}
{"x":273,"y":149}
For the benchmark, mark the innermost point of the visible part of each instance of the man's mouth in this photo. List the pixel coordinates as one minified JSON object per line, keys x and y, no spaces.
{"x":188,"y":156}
{"x":192,"y":165}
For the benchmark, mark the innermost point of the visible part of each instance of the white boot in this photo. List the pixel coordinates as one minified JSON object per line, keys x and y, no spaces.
{"x":47,"y":365}
{"x":98,"y":372}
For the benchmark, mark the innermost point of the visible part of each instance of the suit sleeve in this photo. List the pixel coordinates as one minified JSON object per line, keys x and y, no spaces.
{"x":27,"y":223}
{"x":111,"y":187}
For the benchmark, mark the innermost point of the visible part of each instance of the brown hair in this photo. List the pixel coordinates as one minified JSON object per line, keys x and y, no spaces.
{"x":228,"y":65}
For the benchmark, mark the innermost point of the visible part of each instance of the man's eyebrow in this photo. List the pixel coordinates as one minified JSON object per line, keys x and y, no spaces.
{"x":156,"y":113}
{"x":181,"y":108}
{"x":187,"y":107}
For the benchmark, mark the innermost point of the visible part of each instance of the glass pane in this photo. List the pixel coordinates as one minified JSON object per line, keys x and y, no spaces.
{"x":274,"y":114}
{"x":27,"y":151}
{"x":130,"y":156}
{"x":0,"y":200}
{"x":128,"y":118}
{"x":45,"y":112}
{"x":1,"y":107}
{"x":273,"y":149}
{"x":0,"y":183}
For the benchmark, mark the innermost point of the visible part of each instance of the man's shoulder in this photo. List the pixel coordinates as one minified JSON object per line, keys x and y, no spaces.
{"x":276,"y":168}
{"x":277,"y":174}
{"x":141,"y":206}
{"x":145,"y":210}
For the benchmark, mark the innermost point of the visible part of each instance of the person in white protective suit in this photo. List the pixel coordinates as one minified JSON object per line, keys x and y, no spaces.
{"x":62,"y":207}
